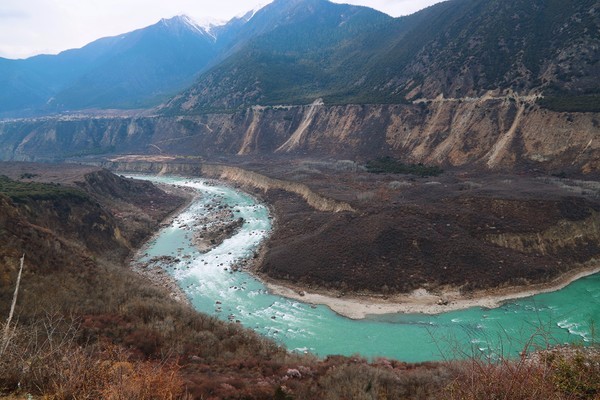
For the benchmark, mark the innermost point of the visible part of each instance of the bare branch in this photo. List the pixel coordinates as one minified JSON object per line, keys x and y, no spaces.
{"x":6,"y":334}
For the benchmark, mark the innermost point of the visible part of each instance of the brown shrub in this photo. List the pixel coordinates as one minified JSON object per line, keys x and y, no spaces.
{"x":567,"y":373}
{"x":145,"y":340}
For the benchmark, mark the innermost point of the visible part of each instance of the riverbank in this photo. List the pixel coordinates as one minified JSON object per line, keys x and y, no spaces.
{"x":208,"y":227}
{"x":356,"y":306}
{"x":211,"y":284}
{"x":359,"y":306}
{"x":154,"y":273}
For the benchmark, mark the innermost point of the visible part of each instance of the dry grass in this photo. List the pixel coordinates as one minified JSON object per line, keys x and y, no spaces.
{"x":111,"y":334}
{"x":561,"y":373}
{"x":45,"y":360}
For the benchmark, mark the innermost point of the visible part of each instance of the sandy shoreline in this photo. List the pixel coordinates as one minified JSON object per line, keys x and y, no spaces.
{"x":420,"y":301}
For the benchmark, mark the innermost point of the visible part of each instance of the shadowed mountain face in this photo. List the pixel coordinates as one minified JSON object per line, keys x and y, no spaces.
{"x":473,"y":46}
{"x":355,"y":55}
{"x":144,"y":67}
{"x":298,"y":51}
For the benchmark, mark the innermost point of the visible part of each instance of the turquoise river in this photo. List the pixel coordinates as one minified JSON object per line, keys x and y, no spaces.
{"x":566,"y":315}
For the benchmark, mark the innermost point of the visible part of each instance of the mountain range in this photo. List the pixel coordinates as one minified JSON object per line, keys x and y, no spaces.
{"x":457,"y":48}
{"x":296,"y":51}
{"x":133,"y":70}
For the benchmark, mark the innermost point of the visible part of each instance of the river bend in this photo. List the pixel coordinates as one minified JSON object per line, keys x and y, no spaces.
{"x":567,"y":315}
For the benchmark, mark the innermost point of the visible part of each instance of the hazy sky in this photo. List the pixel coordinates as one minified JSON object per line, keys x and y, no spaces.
{"x":29,"y":27}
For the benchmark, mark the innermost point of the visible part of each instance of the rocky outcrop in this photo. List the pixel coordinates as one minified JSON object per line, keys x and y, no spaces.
{"x":566,"y":236}
{"x":157,"y":166}
{"x":507,"y":132}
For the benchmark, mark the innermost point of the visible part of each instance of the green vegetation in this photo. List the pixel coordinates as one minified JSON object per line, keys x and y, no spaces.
{"x":389,"y":165}
{"x":22,"y":191}
{"x":566,"y":103}
{"x":298,"y":52}
{"x":368,"y":58}
{"x":299,"y":61}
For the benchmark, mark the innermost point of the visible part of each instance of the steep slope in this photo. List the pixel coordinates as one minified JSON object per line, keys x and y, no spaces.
{"x":136,"y":69}
{"x":471,"y":46}
{"x":487,"y":133}
{"x":29,"y":84}
{"x":87,"y":211}
{"x":295,"y":54}
{"x":457,"y":48}
{"x":473,"y":90}
{"x":151,"y":63}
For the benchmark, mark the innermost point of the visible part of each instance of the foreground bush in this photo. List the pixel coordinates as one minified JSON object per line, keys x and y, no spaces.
{"x":567,"y":373}
{"x":45,"y":360}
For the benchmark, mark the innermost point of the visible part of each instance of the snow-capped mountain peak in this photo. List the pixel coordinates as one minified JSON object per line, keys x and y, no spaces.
{"x":209,"y":23}
{"x":247,"y":16}
{"x":206,"y":27}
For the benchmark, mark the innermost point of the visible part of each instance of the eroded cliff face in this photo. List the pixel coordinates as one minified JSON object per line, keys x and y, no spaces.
{"x":499,"y":133}
{"x":240,"y":176}
{"x":249,"y":178}
{"x":580,"y":239}
{"x":158,"y":166}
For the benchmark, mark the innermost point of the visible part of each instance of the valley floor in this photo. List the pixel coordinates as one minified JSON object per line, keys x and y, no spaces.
{"x":120,"y":337}
{"x":401,"y":242}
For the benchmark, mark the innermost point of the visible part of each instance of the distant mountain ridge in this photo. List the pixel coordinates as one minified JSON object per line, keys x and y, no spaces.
{"x":290,"y":52}
{"x":134,"y":70}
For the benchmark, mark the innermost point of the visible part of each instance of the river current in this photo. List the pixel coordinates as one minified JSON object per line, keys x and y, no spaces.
{"x":564,"y":316}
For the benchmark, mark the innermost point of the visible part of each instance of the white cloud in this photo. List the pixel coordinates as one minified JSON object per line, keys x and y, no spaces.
{"x":29,"y":27}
